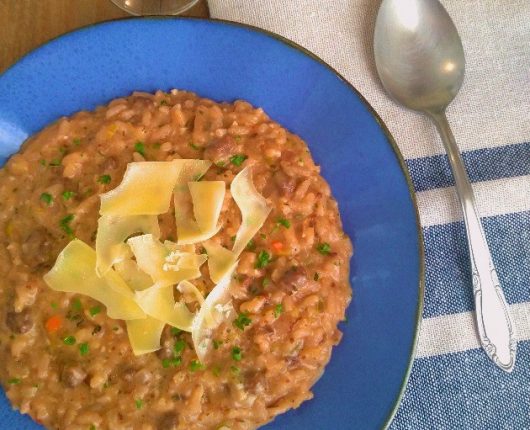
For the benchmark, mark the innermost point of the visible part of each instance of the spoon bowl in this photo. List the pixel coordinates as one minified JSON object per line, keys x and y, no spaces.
{"x":418,"y":53}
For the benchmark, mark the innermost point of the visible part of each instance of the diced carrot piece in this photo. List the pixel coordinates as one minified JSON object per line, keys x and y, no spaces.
{"x":277,"y":245}
{"x":54,"y":323}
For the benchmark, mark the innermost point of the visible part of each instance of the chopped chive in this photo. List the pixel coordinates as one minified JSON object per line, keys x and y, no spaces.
{"x":192,"y":145}
{"x":42,"y":162}
{"x":237,"y":138}
{"x":264,"y":258}
{"x":238,"y":159}
{"x":242,"y":321}
{"x":92,"y":427}
{"x":84,"y":349}
{"x":173,"y":362}
{"x":278,"y":310}
{"x":76,"y":141}
{"x":316,"y":276}
{"x":104,"y":179}
{"x":196,"y":365}
{"x":220,"y":164}
{"x":175,"y":331}
{"x":55,"y":162}
{"x":251,"y":245}
{"x":324,"y":248}
{"x":140,"y":148}
{"x":235,"y":370}
{"x":54,"y":305}
{"x":62,"y":151}
{"x":14,"y":381}
{"x":265,"y":282}
{"x":65,"y":225}
{"x":46,"y":198}
{"x":198,"y":177}
{"x":217,"y":343}
{"x":179,"y":347}
{"x":69,"y":340}
{"x":284,"y":222}
{"x":237,"y":355}
{"x":94,"y":310}
{"x":139,"y":403}
{"x":67,"y":195}
{"x":216,"y":370}
{"x":76,"y":305}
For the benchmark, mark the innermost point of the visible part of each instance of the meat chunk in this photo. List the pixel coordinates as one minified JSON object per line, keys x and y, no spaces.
{"x":295,"y":279}
{"x":19,"y":322}
{"x":168,"y":421}
{"x":285,"y":183}
{"x":220,"y":150}
{"x":72,"y":376}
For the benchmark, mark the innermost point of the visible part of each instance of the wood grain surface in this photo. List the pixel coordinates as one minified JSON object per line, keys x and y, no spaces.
{"x":26,"y":24}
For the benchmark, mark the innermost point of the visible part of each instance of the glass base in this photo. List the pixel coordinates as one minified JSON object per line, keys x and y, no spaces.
{"x":155,"y":7}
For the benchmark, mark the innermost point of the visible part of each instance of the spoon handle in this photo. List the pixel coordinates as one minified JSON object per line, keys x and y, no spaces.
{"x":495,"y":326}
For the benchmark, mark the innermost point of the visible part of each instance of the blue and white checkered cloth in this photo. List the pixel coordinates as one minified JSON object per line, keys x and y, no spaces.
{"x":452,"y":385}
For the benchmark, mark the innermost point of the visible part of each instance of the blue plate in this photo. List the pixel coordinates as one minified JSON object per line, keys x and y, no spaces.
{"x":227,"y":61}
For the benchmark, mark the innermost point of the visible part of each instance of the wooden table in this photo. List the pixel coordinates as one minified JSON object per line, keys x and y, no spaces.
{"x":26,"y":24}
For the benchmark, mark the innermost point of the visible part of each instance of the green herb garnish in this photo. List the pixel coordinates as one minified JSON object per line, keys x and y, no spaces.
{"x":69,"y":340}
{"x":235,"y":370}
{"x":278,"y":310}
{"x":192,"y":145}
{"x":65,"y":225}
{"x":42,"y":162}
{"x":264,"y":258}
{"x":55,"y":162}
{"x":76,"y":141}
{"x":173,"y":362}
{"x":76,"y":305}
{"x":236,"y":354}
{"x":238,"y":159}
{"x":284,"y":222}
{"x":242,"y":321}
{"x":14,"y":381}
{"x":54,"y":305}
{"x":196,"y":365}
{"x":67,"y":195}
{"x":84,"y":349}
{"x":216,"y":370}
{"x":104,"y":179}
{"x":251,"y":245}
{"x":324,"y":248}
{"x":179,"y":347}
{"x":217,"y":343}
{"x":140,"y":148}
{"x":46,"y":198}
{"x":94,"y":310}
{"x":175,"y":331}
{"x":139,"y":403}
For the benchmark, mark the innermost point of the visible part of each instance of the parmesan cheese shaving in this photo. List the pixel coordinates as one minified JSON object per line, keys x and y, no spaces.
{"x":145,"y":189}
{"x":135,"y":278}
{"x":209,"y":316}
{"x":144,"y":335}
{"x":151,"y":256}
{"x":186,"y":287}
{"x":254,"y":211}
{"x":159,"y":303}
{"x":112,"y":233}
{"x":188,"y":229}
{"x":75,"y":272}
{"x":253,"y":206}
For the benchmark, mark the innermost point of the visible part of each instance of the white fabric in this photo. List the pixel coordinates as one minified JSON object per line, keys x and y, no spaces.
{"x":496,"y":39}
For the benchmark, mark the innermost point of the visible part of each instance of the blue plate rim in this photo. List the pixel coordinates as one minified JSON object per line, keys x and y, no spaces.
{"x":373,"y":112}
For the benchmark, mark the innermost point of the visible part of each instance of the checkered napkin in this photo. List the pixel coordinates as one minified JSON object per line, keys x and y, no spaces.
{"x":453,"y":385}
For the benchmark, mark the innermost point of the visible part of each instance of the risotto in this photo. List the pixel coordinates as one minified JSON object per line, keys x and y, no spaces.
{"x":68,"y":365}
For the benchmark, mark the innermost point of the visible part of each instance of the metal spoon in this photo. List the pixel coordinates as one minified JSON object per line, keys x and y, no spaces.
{"x":420,"y":60}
